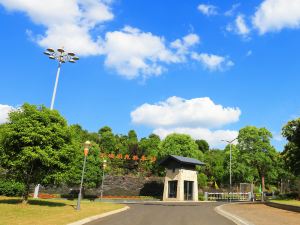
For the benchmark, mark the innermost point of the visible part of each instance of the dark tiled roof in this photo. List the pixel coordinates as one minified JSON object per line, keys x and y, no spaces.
{"x":181,"y":159}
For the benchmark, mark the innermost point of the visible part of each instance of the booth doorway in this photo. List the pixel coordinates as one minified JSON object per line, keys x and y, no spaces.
{"x":188,"y":190}
{"x":172,"y":189}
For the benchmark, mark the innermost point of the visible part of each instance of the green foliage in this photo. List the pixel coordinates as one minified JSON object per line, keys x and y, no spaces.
{"x":291,"y":131}
{"x":11,"y":188}
{"x":180,"y":144}
{"x":107,"y":140}
{"x":202,"y":145}
{"x":202,"y":180}
{"x":35,"y":146}
{"x":257,"y":152}
{"x":214,"y":165}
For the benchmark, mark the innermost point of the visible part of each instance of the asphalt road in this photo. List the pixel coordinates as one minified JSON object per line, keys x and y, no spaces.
{"x":166,"y":214}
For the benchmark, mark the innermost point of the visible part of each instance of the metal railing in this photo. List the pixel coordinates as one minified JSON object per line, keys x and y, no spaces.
{"x":225,"y":196}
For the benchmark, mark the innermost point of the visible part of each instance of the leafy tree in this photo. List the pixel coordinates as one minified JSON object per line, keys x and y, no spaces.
{"x":35,"y":146}
{"x":202,"y":145}
{"x":291,"y":154}
{"x":93,"y":170}
{"x":150,"y":147}
{"x":254,"y":144}
{"x":107,"y":140}
{"x":214,"y":165}
{"x":241,"y":171}
{"x":180,"y":144}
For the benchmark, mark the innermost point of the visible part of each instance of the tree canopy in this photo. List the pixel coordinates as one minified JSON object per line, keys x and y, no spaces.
{"x":35,"y":146}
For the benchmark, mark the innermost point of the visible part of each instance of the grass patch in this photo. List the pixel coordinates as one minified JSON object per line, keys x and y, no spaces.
{"x":287,"y":202}
{"x":48,"y":212}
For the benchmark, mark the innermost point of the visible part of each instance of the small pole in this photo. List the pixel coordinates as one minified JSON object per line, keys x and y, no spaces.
{"x":102,"y":182}
{"x":86,"y":150}
{"x":81,"y":183}
{"x":230,"y":173}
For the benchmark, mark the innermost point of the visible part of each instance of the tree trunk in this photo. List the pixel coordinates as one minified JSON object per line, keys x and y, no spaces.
{"x":25,"y":195}
{"x":262,"y":188}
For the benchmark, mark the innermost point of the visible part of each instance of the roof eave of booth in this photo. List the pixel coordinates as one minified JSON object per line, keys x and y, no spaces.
{"x":181,"y":160}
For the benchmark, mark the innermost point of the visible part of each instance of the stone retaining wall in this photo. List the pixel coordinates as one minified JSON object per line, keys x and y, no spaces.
{"x":117,"y":186}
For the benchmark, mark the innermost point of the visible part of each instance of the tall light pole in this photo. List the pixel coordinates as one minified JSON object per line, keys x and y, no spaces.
{"x":230,"y":157}
{"x":62,"y":57}
{"x":102,"y":182}
{"x":86,"y":151}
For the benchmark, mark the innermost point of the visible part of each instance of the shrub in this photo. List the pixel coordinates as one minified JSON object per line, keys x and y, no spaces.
{"x":11,"y":188}
{"x":202,"y":180}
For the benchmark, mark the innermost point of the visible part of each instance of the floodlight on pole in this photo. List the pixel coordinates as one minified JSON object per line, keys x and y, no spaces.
{"x":230,"y":180}
{"x":62,"y":57}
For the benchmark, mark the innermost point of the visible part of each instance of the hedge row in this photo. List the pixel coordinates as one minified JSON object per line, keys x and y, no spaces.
{"x":11,"y":188}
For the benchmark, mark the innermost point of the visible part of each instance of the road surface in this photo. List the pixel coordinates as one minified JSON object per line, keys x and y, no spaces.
{"x":166,"y":214}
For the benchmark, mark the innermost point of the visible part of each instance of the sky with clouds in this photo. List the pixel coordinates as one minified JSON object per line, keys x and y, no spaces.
{"x":206,"y":68}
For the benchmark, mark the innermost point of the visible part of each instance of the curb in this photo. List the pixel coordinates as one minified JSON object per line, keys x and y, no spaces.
{"x":237,"y":220}
{"x":92,"y":218}
{"x":291,"y":208}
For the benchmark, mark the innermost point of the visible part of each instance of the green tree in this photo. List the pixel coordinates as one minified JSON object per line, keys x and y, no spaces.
{"x":93,"y":170}
{"x":214,"y":165}
{"x":257,"y":151}
{"x":180,"y":144}
{"x":35,"y":146}
{"x":241,"y":171}
{"x":202,"y":145}
{"x":291,"y":153}
{"x":107,"y":140}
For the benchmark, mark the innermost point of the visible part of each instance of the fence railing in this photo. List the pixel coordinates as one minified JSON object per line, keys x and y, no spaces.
{"x":225,"y":196}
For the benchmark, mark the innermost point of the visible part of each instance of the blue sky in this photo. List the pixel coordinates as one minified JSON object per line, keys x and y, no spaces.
{"x":207,"y":68}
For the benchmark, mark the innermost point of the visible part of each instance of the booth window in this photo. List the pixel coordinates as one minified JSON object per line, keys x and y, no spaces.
{"x":173,"y":189}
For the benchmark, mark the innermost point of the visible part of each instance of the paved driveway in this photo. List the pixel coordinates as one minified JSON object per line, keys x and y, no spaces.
{"x":166,"y":214}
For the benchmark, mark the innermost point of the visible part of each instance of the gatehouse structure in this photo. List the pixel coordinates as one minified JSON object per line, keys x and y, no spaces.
{"x":180,"y":182}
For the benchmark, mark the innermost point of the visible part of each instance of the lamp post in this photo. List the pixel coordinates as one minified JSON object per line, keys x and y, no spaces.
{"x":86,"y":151}
{"x":62,"y":57}
{"x":230,"y":157}
{"x":102,"y":182}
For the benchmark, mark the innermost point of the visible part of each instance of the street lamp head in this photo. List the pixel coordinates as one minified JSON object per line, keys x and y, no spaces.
{"x":61,"y":55}
{"x":87,"y":144}
{"x":61,"y":50}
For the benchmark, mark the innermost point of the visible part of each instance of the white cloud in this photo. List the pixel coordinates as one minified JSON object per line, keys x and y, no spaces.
{"x":179,"y":112}
{"x":133,"y":53}
{"x":249,"y":53}
{"x":208,"y":10}
{"x":212,"y":62}
{"x":275,"y":15}
{"x":214,"y":138}
{"x":130,"y":51}
{"x":4,"y":111}
{"x":239,"y":26}
{"x":232,"y":10}
{"x":182,"y":46}
{"x":197,"y":117}
{"x":67,"y":23}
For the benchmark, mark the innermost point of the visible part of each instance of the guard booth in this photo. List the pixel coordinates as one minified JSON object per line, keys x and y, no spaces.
{"x":181,"y":178}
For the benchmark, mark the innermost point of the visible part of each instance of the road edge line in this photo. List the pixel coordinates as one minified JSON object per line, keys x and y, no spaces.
{"x":92,"y":218}
{"x":236,"y":219}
